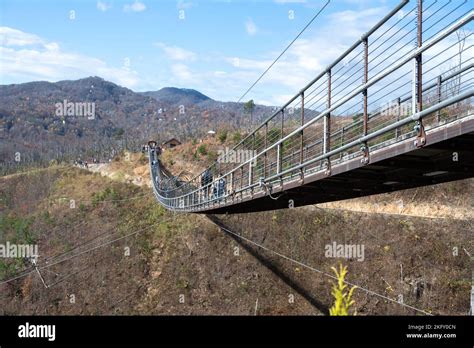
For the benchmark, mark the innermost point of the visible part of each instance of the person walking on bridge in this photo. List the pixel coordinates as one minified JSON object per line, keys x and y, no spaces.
{"x":219,"y":187}
{"x":206,"y":180}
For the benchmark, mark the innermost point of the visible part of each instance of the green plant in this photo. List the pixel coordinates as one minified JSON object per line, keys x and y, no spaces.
{"x":222,"y":136}
{"x":16,"y":229}
{"x":107,"y":194}
{"x":236,"y":137}
{"x":8,"y":269}
{"x":202,"y":149}
{"x":212,"y":155}
{"x":342,"y":298}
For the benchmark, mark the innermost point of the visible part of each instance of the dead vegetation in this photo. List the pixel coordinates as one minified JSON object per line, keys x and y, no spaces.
{"x":184,"y":264}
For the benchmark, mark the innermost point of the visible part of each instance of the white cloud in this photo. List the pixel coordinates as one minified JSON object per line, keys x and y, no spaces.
{"x":177,"y":53}
{"x":103,"y":6}
{"x":304,"y":60}
{"x":136,"y":6}
{"x":38,"y":59}
{"x":250,"y":27}
{"x":182,"y":72}
{"x":14,"y":37}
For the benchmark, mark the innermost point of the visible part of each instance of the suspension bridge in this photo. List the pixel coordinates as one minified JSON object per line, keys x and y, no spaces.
{"x":394,"y":111}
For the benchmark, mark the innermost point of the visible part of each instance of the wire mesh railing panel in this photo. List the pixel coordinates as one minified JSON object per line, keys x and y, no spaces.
{"x":419,"y":57}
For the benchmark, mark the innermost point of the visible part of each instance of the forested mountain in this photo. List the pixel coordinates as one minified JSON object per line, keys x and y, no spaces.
{"x":95,"y":118}
{"x":177,"y":96}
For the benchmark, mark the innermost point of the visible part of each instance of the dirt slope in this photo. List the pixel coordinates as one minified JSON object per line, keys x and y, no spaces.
{"x":183,"y":264}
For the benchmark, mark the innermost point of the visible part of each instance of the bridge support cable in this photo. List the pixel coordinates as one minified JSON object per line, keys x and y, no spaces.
{"x":286,"y":49}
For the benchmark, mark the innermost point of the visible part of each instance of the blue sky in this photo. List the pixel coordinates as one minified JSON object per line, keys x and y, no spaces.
{"x":218,"y":48}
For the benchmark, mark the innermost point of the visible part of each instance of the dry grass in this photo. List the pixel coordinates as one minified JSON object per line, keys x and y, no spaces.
{"x":188,"y":255}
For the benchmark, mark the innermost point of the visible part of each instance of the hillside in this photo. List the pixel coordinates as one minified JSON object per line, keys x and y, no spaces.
{"x":177,"y":96}
{"x":169,"y":257}
{"x":186,"y":254}
{"x":93,"y":118}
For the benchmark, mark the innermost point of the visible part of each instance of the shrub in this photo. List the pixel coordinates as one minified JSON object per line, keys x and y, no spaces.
{"x":108,"y":194}
{"x":202,"y":149}
{"x":236,"y":137}
{"x":342,"y":298}
{"x":222,"y":136}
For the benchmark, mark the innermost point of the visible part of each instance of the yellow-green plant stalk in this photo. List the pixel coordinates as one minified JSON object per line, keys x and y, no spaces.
{"x":342,"y":298}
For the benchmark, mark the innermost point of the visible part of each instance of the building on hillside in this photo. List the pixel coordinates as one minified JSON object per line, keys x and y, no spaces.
{"x":169,"y":144}
{"x":211,"y":133}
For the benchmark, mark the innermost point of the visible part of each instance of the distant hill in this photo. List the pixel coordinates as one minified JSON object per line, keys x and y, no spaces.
{"x":32,"y":126}
{"x":177,"y":96}
{"x":30,"y":123}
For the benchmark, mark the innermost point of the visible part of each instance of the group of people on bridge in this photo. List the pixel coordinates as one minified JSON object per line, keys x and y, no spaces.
{"x":211,"y":189}
{"x":218,"y":187}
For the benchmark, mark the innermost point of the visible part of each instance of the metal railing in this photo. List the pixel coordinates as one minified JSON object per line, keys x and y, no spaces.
{"x":298,"y":139}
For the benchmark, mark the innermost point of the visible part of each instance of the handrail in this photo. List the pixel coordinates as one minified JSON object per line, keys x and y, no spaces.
{"x":190,"y":195}
{"x":361,"y":88}
{"x":414,"y":117}
{"x":402,"y":4}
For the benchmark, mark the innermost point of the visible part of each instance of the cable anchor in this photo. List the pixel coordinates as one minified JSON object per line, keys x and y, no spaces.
{"x":365,"y":154}
{"x":421,"y":135}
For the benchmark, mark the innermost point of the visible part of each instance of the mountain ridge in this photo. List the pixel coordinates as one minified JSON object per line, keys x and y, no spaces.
{"x":32,"y":126}
{"x":177,"y":96}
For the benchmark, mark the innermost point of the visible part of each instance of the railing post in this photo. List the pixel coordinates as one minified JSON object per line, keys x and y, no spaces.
{"x":282,"y":122}
{"x":399,"y":111}
{"x":342,"y":138}
{"x":250,"y":173}
{"x":419,"y":64}
{"x":208,"y":190}
{"x":327,"y":118}
{"x":366,"y":78}
{"x":302,"y":137}
{"x":421,"y":135}
{"x":365,"y":146}
{"x":278,"y":169}
{"x":438,"y":97}
{"x":265,"y":154}
{"x":281,"y":126}
{"x":241,"y":180}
